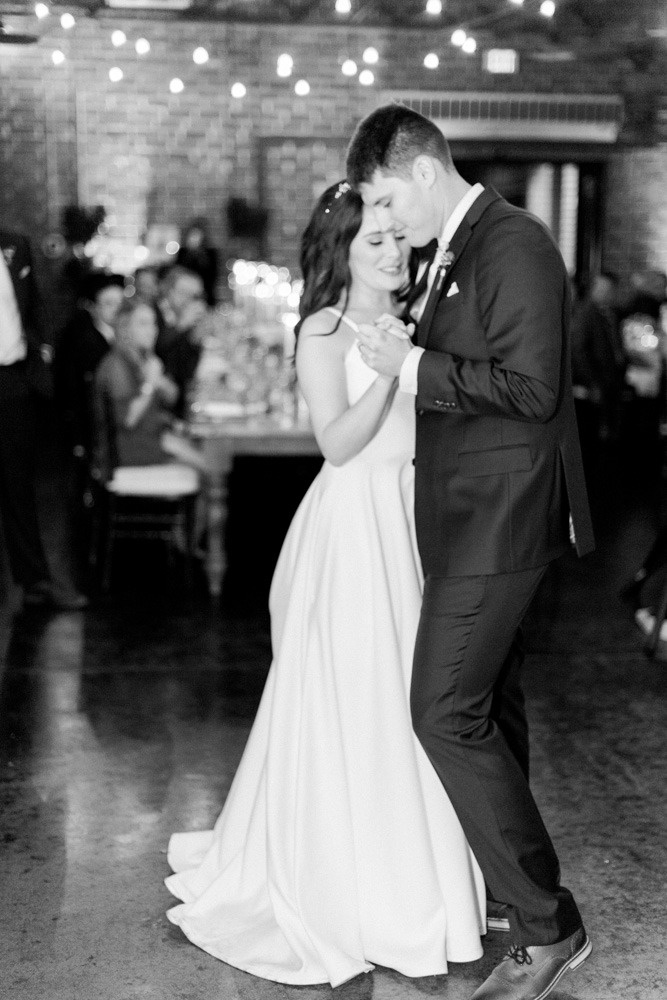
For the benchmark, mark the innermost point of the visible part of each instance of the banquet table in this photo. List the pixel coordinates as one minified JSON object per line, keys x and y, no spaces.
{"x":221,"y":441}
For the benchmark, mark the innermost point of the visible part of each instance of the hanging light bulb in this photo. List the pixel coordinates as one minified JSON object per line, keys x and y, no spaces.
{"x":302,"y":87}
{"x":458,"y":37}
{"x":343,"y":6}
{"x":238,"y":90}
{"x":67,"y":21}
{"x":115,"y":74}
{"x":371,"y":55}
{"x":57,"y":57}
{"x":469,"y":46}
{"x":143,"y":46}
{"x":176,"y":86}
{"x":285,"y":65}
{"x":349,"y":67}
{"x":41,"y":10}
{"x":434,"y":7}
{"x":118,"y":38}
{"x":548,"y":8}
{"x":366,"y":77}
{"x":431,"y":61}
{"x":200,"y":56}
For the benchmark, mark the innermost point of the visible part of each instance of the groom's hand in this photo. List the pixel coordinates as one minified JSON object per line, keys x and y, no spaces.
{"x":382,"y":349}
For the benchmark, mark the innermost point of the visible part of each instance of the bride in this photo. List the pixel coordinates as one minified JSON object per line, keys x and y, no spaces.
{"x":337,"y":848}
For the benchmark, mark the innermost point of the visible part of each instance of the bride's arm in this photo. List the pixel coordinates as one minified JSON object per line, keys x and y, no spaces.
{"x":341,"y":430}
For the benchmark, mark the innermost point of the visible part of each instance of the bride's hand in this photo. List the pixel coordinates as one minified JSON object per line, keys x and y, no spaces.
{"x":392,"y":324}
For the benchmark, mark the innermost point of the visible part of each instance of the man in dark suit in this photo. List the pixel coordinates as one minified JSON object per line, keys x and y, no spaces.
{"x":86,"y":339}
{"x":499,"y":488}
{"x":25,"y":376}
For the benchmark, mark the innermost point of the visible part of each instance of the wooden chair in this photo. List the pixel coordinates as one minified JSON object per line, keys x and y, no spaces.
{"x":154,"y":502}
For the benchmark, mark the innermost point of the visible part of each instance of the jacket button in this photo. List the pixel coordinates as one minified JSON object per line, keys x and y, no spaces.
{"x":420,"y":413}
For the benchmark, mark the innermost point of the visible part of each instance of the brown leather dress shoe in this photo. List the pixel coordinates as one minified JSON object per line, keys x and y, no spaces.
{"x":530,"y":973}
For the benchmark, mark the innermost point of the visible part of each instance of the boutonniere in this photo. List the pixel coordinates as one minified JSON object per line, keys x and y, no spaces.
{"x":445,"y":259}
{"x":8,"y":254}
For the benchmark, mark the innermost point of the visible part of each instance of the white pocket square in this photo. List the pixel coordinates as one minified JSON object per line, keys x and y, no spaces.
{"x":452,"y":290}
{"x":25,"y":271}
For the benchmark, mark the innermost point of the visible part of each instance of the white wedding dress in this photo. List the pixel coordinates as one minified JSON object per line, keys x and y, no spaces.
{"x":337,"y":848}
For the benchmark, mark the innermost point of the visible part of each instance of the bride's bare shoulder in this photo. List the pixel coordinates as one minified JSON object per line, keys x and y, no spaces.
{"x":319,"y":324}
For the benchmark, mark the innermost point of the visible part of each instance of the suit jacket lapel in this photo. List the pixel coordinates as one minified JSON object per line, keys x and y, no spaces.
{"x":456,"y":247}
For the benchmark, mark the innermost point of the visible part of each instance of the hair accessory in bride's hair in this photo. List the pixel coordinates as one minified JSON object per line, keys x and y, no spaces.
{"x":342,"y":189}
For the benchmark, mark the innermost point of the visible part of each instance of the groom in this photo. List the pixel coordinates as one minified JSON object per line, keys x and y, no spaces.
{"x":499,"y":493}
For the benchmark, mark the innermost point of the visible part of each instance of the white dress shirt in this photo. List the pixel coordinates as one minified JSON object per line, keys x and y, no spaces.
{"x":407,"y":380}
{"x":12,"y":341}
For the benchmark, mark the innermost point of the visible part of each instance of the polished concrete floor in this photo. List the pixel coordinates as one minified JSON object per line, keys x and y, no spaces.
{"x":125,"y":722}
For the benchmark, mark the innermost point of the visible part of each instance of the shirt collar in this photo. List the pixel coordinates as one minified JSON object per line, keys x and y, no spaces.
{"x":458,"y":215}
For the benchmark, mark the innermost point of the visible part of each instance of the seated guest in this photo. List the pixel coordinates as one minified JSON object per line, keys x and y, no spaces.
{"x":86,"y":339}
{"x":133,"y":397}
{"x":146,"y":284}
{"x":184,"y":324}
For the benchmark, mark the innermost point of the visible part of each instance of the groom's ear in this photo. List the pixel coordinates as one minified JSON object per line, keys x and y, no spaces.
{"x":423,"y":170}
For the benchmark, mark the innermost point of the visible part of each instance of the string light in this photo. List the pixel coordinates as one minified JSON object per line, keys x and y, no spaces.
{"x":548,"y":8}
{"x":370,"y":55}
{"x":458,"y":37}
{"x":366,"y":77}
{"x":434,"y":6}
{"x":519,"y":3}
{"x":285,"y":65}
{"x":176,"y":86}
{"x":57,"y":57}
{"x":41,"y":10}
{"x":431,"y":61}
{"x":67,"y":21}
{"x":302,"y":87}
{"x":238,"y":90}
{"x":200,"y":56}
{"x":469,"y":46}
{"x":115,"y":74}
{"x":343,"y":6}
{"x":143,"y":46}
{"x":118,"y":38}
{"x":349,"y":67}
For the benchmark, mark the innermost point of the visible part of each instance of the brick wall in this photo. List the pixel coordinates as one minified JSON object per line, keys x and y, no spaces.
{"x":68,"y":134}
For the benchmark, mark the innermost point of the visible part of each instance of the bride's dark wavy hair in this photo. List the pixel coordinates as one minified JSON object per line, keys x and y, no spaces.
{"x":325,"y":253}
{"x":325,"y":250}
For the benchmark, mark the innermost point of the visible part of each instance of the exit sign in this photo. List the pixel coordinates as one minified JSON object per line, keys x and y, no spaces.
{"x":501,"y":61}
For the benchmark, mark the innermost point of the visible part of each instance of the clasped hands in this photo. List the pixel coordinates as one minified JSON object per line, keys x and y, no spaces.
{"x":385,"y":344}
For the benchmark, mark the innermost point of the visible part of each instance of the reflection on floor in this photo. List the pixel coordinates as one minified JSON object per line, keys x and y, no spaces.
{"x":123,"y":723}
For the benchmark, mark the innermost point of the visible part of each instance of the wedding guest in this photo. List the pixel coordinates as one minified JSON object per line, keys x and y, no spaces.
{"x":25,"y":378}
{"x":147,"y":284}
{"x":598,"y":366}
{"x":184,"y":322}
{"x":84,"y":342}
{"x":197,"y":254}
{"x":133,"y":389}
{"x":337,"y":848}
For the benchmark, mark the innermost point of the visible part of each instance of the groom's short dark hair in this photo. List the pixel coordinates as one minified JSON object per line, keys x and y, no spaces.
{"x":389,"y":139}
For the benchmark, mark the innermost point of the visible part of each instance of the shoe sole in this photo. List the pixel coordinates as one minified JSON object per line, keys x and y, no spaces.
{"x":573,"y":964}
{"x":498,"y":924}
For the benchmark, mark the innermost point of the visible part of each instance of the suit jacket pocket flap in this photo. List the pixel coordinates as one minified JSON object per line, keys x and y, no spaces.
{"x":495,"y":461}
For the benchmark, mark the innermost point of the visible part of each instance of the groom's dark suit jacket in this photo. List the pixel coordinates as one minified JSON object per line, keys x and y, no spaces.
{"x":498,"y":463}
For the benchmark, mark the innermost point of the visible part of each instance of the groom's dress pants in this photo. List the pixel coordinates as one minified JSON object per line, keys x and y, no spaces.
{"x":468,"y":713}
